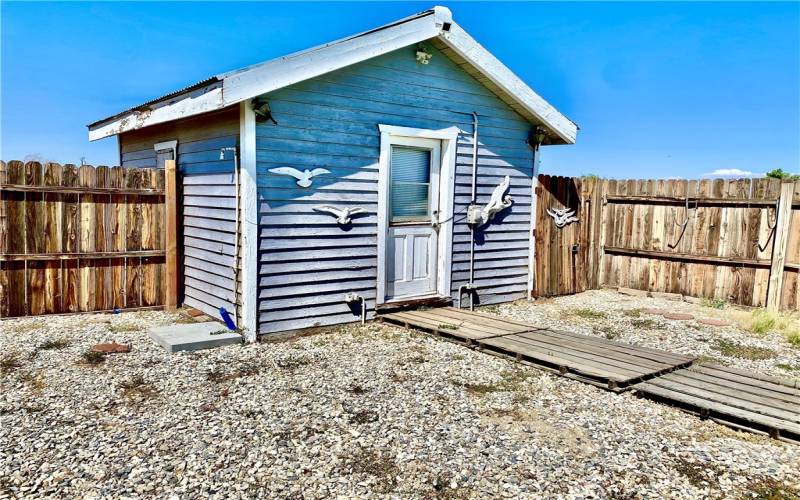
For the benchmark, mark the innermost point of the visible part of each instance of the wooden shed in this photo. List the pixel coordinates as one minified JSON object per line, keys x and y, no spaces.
{"x":397,"y":164}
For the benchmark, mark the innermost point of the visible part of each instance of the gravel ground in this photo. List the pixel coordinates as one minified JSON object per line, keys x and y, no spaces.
{"x":608,"y":314}
{"x":356,"y":411}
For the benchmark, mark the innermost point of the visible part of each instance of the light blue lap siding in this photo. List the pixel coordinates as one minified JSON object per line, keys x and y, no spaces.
{"x":307,"y":262}
{"x":208,"y":200}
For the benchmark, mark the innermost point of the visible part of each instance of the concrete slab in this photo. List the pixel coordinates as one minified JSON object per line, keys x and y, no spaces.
{"x":193,"y":336}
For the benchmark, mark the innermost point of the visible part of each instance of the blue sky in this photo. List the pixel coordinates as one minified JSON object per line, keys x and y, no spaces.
{"x":658,"y":89}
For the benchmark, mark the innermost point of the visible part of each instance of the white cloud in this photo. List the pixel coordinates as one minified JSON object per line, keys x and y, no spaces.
{"x":732,"y":172}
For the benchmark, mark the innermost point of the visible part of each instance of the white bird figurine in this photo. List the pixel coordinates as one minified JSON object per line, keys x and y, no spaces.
{"x":498,"y":202}
{"x":303,"y":178}
{"x":342,"y":215}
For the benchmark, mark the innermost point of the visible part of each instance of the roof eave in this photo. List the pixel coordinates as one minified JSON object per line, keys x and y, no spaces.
{"x":188,"y":103}
{"x":489,"y":66}
{"x":236,"y":86}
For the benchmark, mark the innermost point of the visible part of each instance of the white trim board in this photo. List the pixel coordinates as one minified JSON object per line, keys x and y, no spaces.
{"x":447,"y":171}
{"x":248,"y":194}
{"x":446,"y":134}
{"x":163,"y":146}
{"x":230,"y":88}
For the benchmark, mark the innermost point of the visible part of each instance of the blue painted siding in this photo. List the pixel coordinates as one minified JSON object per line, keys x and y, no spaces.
{"x":307,"y":262}
{"x":208,"y":201}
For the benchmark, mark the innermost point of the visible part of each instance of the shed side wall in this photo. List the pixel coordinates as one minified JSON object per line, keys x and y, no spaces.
{"x":307,"y":262}
{"x":207,"y":200}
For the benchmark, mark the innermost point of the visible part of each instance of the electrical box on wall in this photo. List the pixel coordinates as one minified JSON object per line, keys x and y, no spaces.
{"x":474,"y":215}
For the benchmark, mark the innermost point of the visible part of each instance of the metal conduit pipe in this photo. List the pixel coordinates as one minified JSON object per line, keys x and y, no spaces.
{"x":351,"y":297}
{"x":470,"y":286}
{"x":466,"y":286}
{"x":236,"y":174}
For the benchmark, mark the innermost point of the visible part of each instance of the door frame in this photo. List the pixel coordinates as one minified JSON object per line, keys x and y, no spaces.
{"x":444,"y":257}
{"x":412,"y":229}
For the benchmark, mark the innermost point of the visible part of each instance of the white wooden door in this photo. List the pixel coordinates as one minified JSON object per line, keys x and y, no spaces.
{"x":413,"y":209}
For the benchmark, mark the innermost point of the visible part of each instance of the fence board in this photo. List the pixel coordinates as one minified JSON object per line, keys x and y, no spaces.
{"x":775,"y":288}
{"x":15,"y":209}
{"x":67,"y":233}
{"x":3,"y":221}
{"x":791,"y":279}
{"x":14,"y":279}
{"x":53,"y":210}
{"x":70,"y":233}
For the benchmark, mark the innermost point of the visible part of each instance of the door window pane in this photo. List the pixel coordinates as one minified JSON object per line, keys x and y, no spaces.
{"x":410,"y":183}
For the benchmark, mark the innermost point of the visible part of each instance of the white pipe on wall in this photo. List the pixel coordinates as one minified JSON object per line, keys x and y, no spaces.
{"x":473,"y":202}
{"x":237,"y":308}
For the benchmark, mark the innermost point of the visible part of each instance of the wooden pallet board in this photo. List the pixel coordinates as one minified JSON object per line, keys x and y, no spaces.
{"x":731,"y":396}
{"x":443,"y":321}
{"x":597,"y":360}
{"x":520,"y":327}
{"x":641,"y":362}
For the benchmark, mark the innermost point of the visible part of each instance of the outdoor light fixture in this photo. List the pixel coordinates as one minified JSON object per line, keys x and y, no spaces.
{"x":423,"y":56}
{"x":537,"y":137}
{"x":262,"y":111}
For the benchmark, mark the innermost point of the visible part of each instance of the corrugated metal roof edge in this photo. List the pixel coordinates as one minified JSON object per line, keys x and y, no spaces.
{"x":184,"y":90}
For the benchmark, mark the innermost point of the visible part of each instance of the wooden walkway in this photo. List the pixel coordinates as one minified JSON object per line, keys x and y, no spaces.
{"x":733,"y":397}
{"x":598,"y":361}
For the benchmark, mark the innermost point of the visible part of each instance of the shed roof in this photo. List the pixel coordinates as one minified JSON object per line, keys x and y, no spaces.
{"x":435,"y":24}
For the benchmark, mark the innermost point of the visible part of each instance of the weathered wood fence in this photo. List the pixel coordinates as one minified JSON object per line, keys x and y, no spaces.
{"x":732,"y":240}
{"x":78,"y":239}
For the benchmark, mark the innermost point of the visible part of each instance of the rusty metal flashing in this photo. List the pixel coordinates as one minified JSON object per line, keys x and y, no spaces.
{"x":147,"y":106}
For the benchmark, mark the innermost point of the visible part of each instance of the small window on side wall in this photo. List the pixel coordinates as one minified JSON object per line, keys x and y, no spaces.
{"x":167,"y":150}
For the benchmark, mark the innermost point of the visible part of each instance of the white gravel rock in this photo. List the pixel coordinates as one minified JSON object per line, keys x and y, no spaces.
{"x":357,"y":411}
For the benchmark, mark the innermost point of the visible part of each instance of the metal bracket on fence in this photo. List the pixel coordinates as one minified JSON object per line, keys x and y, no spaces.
{"x":763,"y":248}
{"x":682,"y":224}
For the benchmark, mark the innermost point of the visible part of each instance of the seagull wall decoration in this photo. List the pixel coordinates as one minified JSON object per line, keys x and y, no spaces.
{"x":303,"y":178}
{"x":343,"y":215}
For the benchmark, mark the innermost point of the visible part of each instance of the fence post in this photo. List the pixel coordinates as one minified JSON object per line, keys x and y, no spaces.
{"x":602,"y":215}
{"x":781,"y":242}
{"x":171,"y":231}
{"x":532,"y":235}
